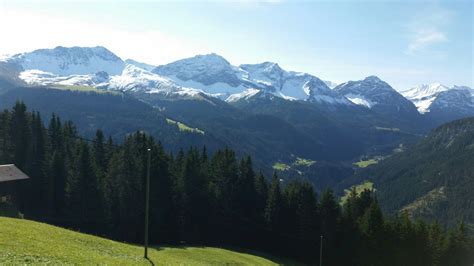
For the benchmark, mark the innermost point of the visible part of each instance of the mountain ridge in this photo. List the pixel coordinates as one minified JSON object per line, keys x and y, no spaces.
{"x":211,"y":75}
{"x":208,"y":73}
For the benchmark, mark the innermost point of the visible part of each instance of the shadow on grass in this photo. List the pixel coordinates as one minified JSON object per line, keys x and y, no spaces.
{"x":151,"y":262}
{"x":275,"y":259}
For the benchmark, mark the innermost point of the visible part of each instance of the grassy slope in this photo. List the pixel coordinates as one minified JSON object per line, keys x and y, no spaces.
{"x":24,"y":241}
{"x":364,"y":164}
{"x":303,"y":162}
{"x":281,"y":166}
{"x":184,"y":127}
{"x":359,"y":188}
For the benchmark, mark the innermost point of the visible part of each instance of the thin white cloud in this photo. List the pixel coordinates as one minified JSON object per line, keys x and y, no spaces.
{"x":425,"y":38}
{"x":427,"y":28}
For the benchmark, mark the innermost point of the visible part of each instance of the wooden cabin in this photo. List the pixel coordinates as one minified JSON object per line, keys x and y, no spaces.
{"x":10,"y":180}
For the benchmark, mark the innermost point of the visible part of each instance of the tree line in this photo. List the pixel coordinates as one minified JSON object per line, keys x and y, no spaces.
{"x":201,"y":199}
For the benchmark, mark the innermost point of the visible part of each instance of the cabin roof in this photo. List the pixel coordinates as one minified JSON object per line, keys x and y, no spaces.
{"x":10,"y":172}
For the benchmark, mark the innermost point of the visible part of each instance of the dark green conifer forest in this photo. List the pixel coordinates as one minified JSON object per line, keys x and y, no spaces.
{"x":97,"y":186}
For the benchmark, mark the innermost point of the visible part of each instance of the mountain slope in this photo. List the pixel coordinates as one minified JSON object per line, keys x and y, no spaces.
{"x":116,"y":114}
{"x":328,"y":127}
{"x":376,"y":94}
{"x":433,"y":179}
{"x":384,"y":101}
{"x":211,"y":73}
{"x":69,"y":61}
{"x":455,"y":103}
{"x":24,"y":242}
{"x":215,"y":75}
{"x":141,"y":65}
{"x":90,"y":66}
{"x":266,"y":138}
{"x":440,"y":103}
{"x":424,"y":95}
{"x":289,"y":84}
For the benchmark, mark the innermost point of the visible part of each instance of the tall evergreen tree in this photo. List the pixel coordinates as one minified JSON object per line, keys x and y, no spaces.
{"x":41,"y":184}
{"x":85,"y":205}
{"x":329,"y":214}
{"x":6,"y":148}
{"x":273,"y":209}
{"x":20,"y":134}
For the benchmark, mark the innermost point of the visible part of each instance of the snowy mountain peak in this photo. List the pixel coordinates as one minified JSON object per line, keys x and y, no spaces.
{"x":134,"y":71}
{"x":373,"y":79}
{"x":271,"y":67}
{"x":424,"y":90}
{"x":205,"y":61}
{"x":369,"y":85}
{"x":455,"y":87}
{"x":145,"y":66}
{"x":427,"y":96}
{"x":205,"y":69}
{"x":245,"y":95}
{"x":457,"y":100}
{"x":371,"y":92}
{"x":319,"y":92}
{"x":330,"y":84}
{"x":70,"y":60}
{"x":265,"y":72}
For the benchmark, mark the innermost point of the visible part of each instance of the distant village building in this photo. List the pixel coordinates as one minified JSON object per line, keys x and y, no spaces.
{"x":10,"y":179}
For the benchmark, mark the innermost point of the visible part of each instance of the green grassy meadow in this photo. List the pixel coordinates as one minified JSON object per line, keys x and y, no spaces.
{"x":184,"y":127}
{"x":281,"y":166}
{"x":359,"y":188}
{"x":364,"y":164}
{"x":27,"y":242}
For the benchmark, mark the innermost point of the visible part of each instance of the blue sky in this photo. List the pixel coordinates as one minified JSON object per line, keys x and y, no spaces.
{"x":403,"y":42}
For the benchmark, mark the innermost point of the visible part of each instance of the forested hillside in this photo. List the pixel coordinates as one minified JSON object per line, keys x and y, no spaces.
{"x":116,"y":114}
{"x":270,"y":130}
{"x":432,"y":180}
{"x":198,"y":198}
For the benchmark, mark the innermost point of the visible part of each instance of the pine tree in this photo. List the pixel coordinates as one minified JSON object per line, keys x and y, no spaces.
{"x":6,"y":148}
{"x":84,"y":198}
{"x":329,"y":215}
{"x":41,"y":186}
{"x":261,"y":194}
{"x":57,"y":174}
{"x":371,"y":222}
{"x":245,"y":191}
{"x":436,"y":242}
{"x":459,"y":249}
{"x":301,"y":205}
{"x":55,"y":133}
{"x":273,"y":209}
{"x":193,"y":198}
{"x":162,"y":223}
{"x":20,"y":134}
{"x":99,"y":154}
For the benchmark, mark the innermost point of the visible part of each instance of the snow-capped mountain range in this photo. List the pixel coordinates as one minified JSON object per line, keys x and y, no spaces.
{"x":436,"y":95}
{"x":214,"y":76}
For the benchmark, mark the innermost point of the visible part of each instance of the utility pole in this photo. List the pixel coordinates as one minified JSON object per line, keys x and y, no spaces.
{"x":147,"y":202}
{"x":321,"y":252}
